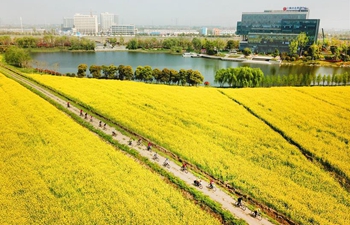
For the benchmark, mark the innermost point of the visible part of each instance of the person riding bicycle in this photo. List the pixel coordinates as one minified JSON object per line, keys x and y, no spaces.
{"x":256,"y":212}
{"x":184,"y":166}
{"x":211,"y":184}
{"x":139,"y":141}
{"x":149,"y":146}
{"x":239,"y":201}
{"x":155,"y":156}
{"x":166,"y":162}
{"x":197,"y":182}
{"x":114,"y":134}
{"x":130,"y":141}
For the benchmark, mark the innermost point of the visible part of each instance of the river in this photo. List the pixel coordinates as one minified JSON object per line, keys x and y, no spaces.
{"x":67,"y":62}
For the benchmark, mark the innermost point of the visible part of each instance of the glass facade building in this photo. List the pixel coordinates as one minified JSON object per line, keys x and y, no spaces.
{"x":128,"y":30}
{"x":270,"y":30}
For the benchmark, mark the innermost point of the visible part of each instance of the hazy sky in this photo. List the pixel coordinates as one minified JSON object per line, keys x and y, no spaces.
{"x":225,"y":13}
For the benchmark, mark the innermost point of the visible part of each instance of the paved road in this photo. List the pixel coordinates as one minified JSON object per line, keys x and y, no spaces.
{"x":219,"y":196}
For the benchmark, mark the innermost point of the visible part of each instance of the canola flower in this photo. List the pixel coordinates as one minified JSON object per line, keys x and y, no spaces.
{"x":210,"y":130}
{"x":53,"y":171}
{"x":318,"y":121}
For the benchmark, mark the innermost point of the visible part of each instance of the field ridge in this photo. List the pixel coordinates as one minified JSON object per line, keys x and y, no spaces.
{"x":335,"y":172}
{"x":323,"y":100}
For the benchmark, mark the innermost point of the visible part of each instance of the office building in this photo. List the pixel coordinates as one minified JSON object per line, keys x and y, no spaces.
{"x":107,"y":20}
{"x":85,"y":24}
{"x":275,"y":29}
{"x":204,"y":31}
{"x":128,"y":30}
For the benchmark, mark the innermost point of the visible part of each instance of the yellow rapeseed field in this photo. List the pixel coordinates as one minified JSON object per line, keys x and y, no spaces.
{"x":316,"y":118}
{"x":53,"y":171}
{"x":210,"y":130}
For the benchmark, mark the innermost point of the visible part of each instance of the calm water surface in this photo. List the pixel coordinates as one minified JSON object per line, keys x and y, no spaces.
{"x":67,"y":62}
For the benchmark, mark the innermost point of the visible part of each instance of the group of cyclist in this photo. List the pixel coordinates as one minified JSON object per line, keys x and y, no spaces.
{"x":197,"y":182}
{"x":256,"y":212}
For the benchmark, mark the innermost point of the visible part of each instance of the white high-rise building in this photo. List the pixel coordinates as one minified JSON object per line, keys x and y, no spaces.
{"x":85,"y":24}
{"x":107,"y":20}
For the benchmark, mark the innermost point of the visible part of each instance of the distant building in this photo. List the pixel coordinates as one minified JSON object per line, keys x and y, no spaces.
{"x":204,"y":31}
{"x":227,"y":32}
{"x":107,"y":20}
{"x":85,"y":24}
{"x":128,"y":30}
{"x":169,"y":32}
{"x":275,"y":29}
{"x":68,"y":22}
{"x":216,"y":31}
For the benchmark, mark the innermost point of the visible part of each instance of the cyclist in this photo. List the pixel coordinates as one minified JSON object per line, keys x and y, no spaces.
{"x":239,"y":201}
{"x":86,"y":115}
{"x":197,"y":182}
{"x":211,"y":184}
{"x":100,"y":124}
{"x":130,"y":141}
{"x":149,"y":146}
{"x":91,"y":118}
{"x":81,"y":112}
{"x":166,"y":162}
{"x":114,"y":134}
{"x":155,"y":156}
{"x":184,"y":166}
{"x":256,"y":212}
{"x":68,"y":104}
{"x":139,"y":142}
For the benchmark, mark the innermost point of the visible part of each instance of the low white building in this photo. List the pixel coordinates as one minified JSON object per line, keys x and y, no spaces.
{"x":127,"y":30}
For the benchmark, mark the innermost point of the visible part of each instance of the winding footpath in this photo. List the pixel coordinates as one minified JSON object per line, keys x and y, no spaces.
{"x":219,"y":195}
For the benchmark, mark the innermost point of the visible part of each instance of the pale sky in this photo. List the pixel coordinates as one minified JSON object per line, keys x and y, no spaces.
{"x":224,"y":13}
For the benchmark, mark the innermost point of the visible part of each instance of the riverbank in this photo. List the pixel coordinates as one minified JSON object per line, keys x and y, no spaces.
{"x":227,"y":57}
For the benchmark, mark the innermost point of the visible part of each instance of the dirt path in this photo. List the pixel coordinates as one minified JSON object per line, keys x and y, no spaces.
{"x":219,"y":196}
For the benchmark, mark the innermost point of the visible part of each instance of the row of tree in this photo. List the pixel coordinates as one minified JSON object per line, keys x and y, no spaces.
{"x":306,"y":80}
{"x":142,"y":73}
{"x":49,"y":41}
{"x":182,"y":43}
{"x":239,"y":77}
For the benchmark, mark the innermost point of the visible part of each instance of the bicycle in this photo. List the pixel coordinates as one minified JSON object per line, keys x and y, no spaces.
{"x":241,"y":205}
{"x":167,"y":165}
{"x":198,"y":184}
{"x":184,"y":169}
{"x":155,"y":158}
{"x":257,"y":215}
{"x":213,"y":188}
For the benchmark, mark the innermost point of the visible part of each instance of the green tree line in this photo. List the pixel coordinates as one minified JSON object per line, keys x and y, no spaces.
{"x":47,"y":41}
{"x":306,"y":80}
{"x":183,"y":43}
{"x":142,"y":73}
{"x":239,"y":77}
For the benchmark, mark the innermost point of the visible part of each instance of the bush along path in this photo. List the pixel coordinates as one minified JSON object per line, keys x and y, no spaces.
{"x":124,"y":138}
